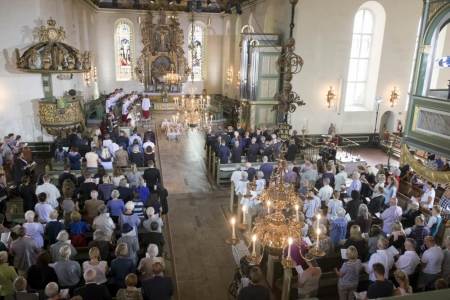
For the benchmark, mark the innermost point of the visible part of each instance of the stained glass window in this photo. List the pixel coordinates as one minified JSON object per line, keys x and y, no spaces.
{"x":124,"y":50}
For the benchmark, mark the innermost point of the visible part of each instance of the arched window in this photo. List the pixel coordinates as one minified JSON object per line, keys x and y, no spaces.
{"x":124,"y":49}
{"x":196,"y":47}
{"x":365,"y":54}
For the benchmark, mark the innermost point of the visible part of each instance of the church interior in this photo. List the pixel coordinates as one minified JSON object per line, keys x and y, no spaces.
{"x":224,"y":149}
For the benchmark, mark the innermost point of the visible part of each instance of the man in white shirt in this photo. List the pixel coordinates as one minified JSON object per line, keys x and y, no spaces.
{"x":125,"y":106}
{"x":340,"y":178}
{"x":382,"y":257}
{"x":148,"y":143}
{"x":91,"y":159}
{"x":408,"y":261}
{"x":50,"y":190}
{"x":432,"y":259}
{"x":113,"y":147}
{"x":135,"y":136}
{"x":427,"y":198}
{"x":326,"y":191}
{"x":43,"y":209}
{"x":311,"y":205}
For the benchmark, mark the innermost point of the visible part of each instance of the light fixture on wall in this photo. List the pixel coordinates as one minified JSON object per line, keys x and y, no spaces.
{"x":230,"y":75}
{"x":87,"y":78}
{"x":94,"y":74}
{"x":331,"y":96}
{"x":394,"y":97}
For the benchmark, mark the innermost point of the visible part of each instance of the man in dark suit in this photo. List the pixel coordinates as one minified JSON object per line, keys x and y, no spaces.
{"x":91,"y":290}
{"x":253,"y":150}
{"x":159,"y":287}
{"x":224,"y":153}
{"x":376,"y":203}
{"x":256,"y":289}
{"x":66,"y":175}
{"x":352,"y":206}
{"x":291,"y":151}
{"x":236,"y":153}
{"x":155,"y":237}
{"x":152,"y":176}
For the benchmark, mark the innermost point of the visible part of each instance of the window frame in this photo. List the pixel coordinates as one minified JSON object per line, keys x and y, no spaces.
{"x":120,"y":74}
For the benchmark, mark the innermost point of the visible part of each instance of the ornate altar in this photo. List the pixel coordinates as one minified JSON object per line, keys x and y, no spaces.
{"x":50,"y":55}
{"x":162,"y":53}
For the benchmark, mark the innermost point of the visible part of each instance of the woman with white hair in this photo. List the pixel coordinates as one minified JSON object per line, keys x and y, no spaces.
{"x":128,"y":217}
{"x":104,"y":222}
{"x":260,"y":182}
{"x":152,"y":217}
{"x":7,"y":276}
{"x":364,"y":220}
{"x":62,"y":240}
{"x":145,"y":265}
{"x":68,"y":271}
{"x":334,"y":205}
{"x":338,"y":227}
{"x":34,"y":229}
{"x":115,"y":205}
{"x":52,"y":291}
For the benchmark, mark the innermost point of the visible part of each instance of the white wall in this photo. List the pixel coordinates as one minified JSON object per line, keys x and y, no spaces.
{"x":323,"y":39}
{"x":19,"y":91}
{"x":323,"y":33}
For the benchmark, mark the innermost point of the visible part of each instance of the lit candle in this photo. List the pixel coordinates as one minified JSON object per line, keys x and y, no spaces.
{"x":268,"y":206}
{"x":244,"y":212}
{"x":289,"y":247}
{"x":318,"y":238}
{"x":297,"y":217}
{"x":233,"y":229}
{"x":254,"y":245}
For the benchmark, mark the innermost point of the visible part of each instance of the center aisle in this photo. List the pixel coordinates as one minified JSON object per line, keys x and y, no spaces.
{"x":204,"y":264}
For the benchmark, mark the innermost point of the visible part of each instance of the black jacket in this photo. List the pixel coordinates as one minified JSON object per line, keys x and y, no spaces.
{"x":376,"y":204}
{"x":352,"y":208}
{"x":158,"y":287}
{"x":93,"y":291}
{"x":153,"y":177}
{"x":254,"y":292}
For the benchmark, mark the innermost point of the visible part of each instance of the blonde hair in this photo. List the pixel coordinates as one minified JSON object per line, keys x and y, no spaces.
{"x":75,"y":216}
{"x":122,"y":249}
{"x":3,"y":257}
{"x":94,"y":252}
{"x":54,"y":214}
{"x":397,"y":226}
{"x":352,"y":253}
{"x":401,"y":276}
{"x":106,"y":179}
{"x":65,"y":252}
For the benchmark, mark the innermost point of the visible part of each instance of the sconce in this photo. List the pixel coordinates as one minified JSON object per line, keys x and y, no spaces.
{"x":230,"y":75}
{"x":87,"y":78}
{"x":331,"y":96}
{"x":94,"y":70}
{"x":238,"y":79}
{"x":394,"y":97}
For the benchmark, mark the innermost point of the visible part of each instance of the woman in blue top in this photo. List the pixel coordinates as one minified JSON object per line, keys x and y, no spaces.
{"x":338,"y":227}
{"x":74,"y":159}
{"x":115,"y":206}
{"x":390,"y":190}
{"x":77,"y":230}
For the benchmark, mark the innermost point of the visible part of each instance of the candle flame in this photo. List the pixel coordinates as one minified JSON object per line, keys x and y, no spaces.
{"x":244,"y":208}
{"x":254,"y":238}
{"x":233,"y":221}
{"x":296,"y":206}
{"x":290,"y":241}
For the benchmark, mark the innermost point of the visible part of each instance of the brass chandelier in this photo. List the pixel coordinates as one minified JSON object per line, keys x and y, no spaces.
{"x":281,"y":220}
{"x":195,"y":109}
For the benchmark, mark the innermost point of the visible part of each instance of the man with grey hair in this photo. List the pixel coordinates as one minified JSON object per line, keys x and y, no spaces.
{"x":62,"y":240}
{"x":91,"y":290}
{"x":325,"y":192}
{"x":391,"y":215}
{"x":52,"y":291}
